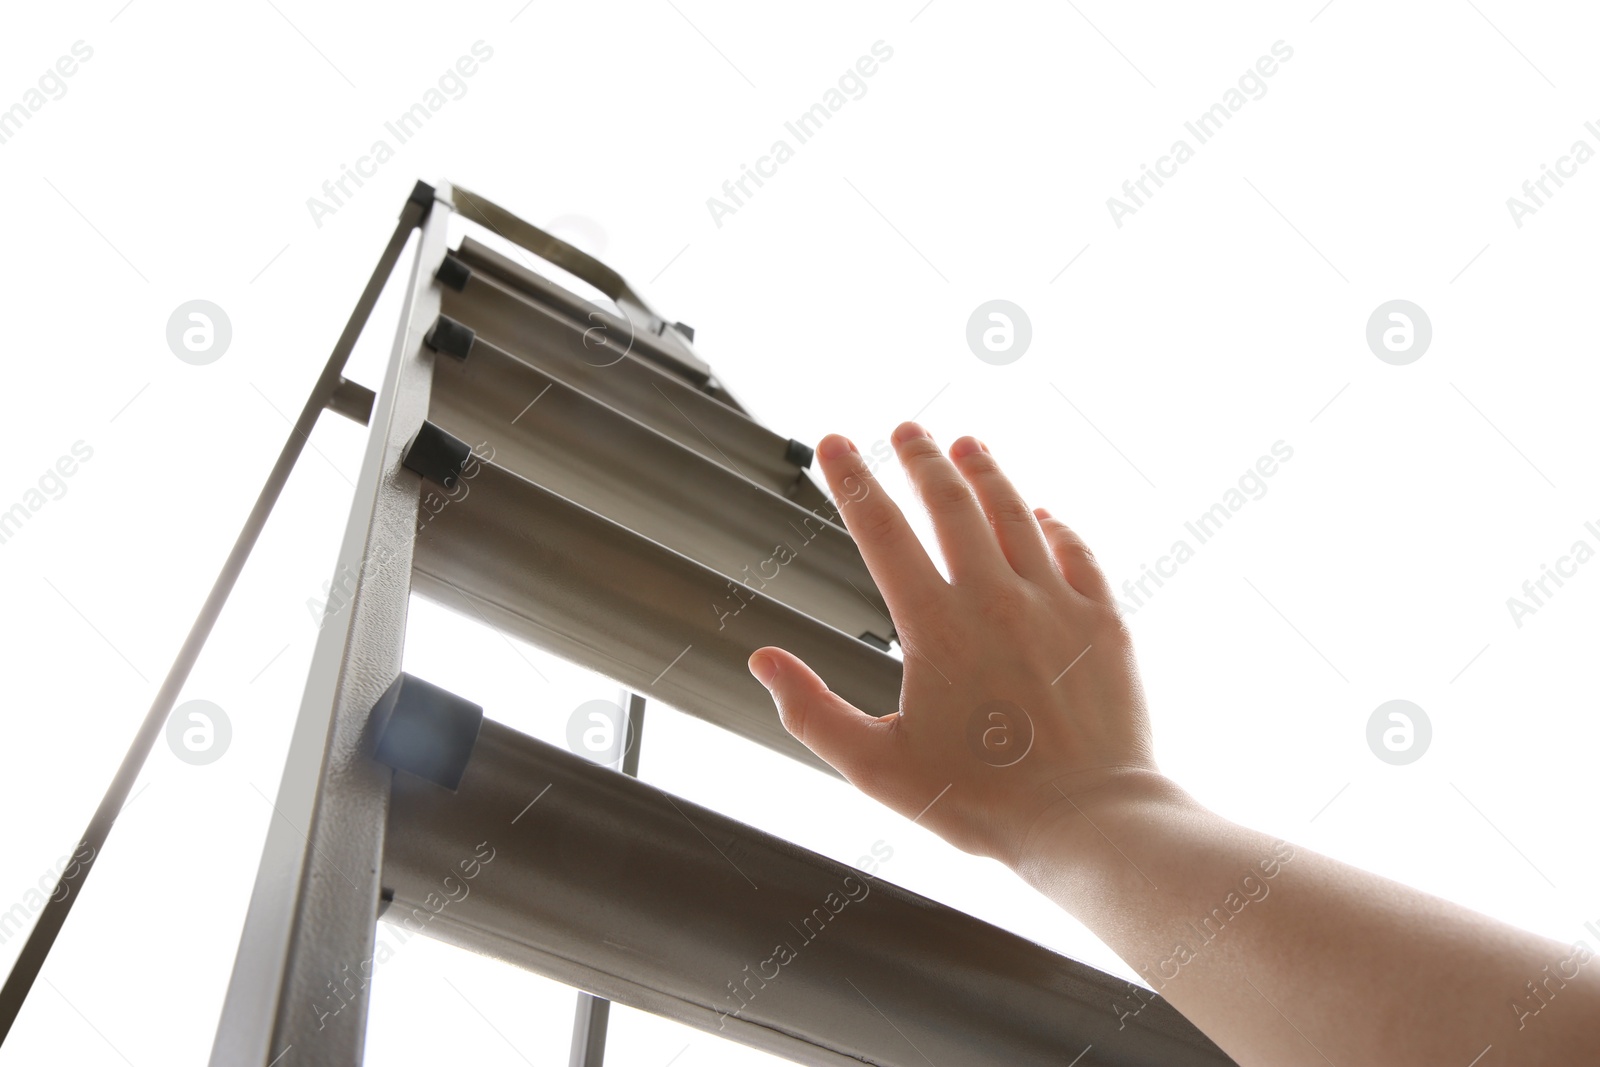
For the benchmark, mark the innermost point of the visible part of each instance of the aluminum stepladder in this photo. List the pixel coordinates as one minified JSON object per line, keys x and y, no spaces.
{"x":573,"y":475}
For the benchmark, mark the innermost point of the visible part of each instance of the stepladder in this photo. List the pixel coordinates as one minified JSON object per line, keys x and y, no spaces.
{"x":561,"y":466}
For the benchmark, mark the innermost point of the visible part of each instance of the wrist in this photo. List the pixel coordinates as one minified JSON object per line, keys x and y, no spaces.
{"x":1085,"y":837}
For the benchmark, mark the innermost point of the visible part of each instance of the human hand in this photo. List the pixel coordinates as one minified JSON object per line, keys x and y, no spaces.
{"x":1020,"y":691}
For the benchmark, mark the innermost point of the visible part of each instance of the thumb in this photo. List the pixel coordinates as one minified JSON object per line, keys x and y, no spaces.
{"x":845,"y":737}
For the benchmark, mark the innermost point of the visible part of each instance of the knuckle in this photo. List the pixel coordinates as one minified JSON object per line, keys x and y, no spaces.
{"x":1010,"y":509}
{"x":1109,"y":622}
{"x":942,"y":493}
{"x":879,"y":525}
{"x":1067,"y":541}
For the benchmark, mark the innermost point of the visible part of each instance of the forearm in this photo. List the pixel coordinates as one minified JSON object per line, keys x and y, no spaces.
{"x":1284,"y":956}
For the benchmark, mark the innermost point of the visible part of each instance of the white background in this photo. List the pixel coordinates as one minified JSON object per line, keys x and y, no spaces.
{"x":1229,"y":313}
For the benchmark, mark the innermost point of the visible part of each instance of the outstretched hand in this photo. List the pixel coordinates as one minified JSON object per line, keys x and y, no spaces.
{"x":1020,"y":694}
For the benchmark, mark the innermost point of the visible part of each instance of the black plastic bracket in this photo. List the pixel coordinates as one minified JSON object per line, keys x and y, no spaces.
{"x":426,"y":730}
{"x":875,"y":641}
{"x":685,"y":329}
{"x":436,"y":455}
{"x":453,"y":273}
{"x":798,"y":454}
{"x":422,"y":193}
{"x":450,"y":337}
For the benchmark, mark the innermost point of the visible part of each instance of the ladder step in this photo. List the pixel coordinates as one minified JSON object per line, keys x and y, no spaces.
{"x":561,"y":438}
{"x":566,"y":579}
{"x":599,"y":363}
{"x":613,"y":886}
{"x":666,"y":349}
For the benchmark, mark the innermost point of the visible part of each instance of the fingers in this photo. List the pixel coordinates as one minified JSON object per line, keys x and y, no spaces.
{"x":847,"y":739}
{"x":1015,"y":527}
{"x":968,"y":543}
{"x":897,"y":560}
{"x":1077,"y":563}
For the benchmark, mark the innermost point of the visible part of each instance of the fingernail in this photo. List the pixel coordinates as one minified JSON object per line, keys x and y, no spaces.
{"x":764,"y":667}
{"x":909,"y":431}
{"x":833,"y":446}
{"x":966,"y":446}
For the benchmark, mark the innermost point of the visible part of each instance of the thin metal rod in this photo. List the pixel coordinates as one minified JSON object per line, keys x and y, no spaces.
{"x":630,"y":755}
{"x":592,"y":1020}
{"x":589,"y":1032}
{"x":43,"y":935}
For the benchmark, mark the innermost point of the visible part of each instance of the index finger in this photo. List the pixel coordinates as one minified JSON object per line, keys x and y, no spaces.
{"x":897,"y":560}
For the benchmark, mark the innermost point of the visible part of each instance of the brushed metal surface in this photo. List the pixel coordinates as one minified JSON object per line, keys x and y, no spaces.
{"x":611,"y":885}
{"x":566,"y":579}
{"x":599,"y":363}
{"x":551,"y":433}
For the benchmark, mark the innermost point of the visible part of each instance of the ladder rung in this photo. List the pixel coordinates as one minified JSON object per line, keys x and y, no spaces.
{"x":611,"y":885}
{"x":561,"y":438}
{"x":666,"y":349}
{"x":601,"y":367}
{"x":528,"y":560}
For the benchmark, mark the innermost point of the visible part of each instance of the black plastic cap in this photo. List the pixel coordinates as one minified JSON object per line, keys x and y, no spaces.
{"x":454,"y":273}
{"x":875,"y":641}
{"x":426,"y":730}
{"x":685,"y":329}
{"x":422,"y":193}
{"x":450,"y":337}
{"x":436,"y":455}
{"x":799,"y":454}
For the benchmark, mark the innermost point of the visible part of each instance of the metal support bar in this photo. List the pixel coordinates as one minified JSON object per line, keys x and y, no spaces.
{"x":611,"y":885}
{"x":589,"y":1031}
{"x":43,"y":936}
{"x":630,"y":755}
{"x":352,"y":400}
{"x":306,"y":951}
{"x":592,"y":1019}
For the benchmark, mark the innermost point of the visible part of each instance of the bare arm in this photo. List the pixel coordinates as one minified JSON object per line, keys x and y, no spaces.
{"x":1022,"y":713}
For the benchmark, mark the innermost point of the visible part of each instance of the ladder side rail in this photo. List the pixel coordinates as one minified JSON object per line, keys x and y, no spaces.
{"x":305,"y":954}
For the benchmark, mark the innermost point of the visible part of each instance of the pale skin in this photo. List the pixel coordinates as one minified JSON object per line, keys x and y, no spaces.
{"x":1306,"y":960}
